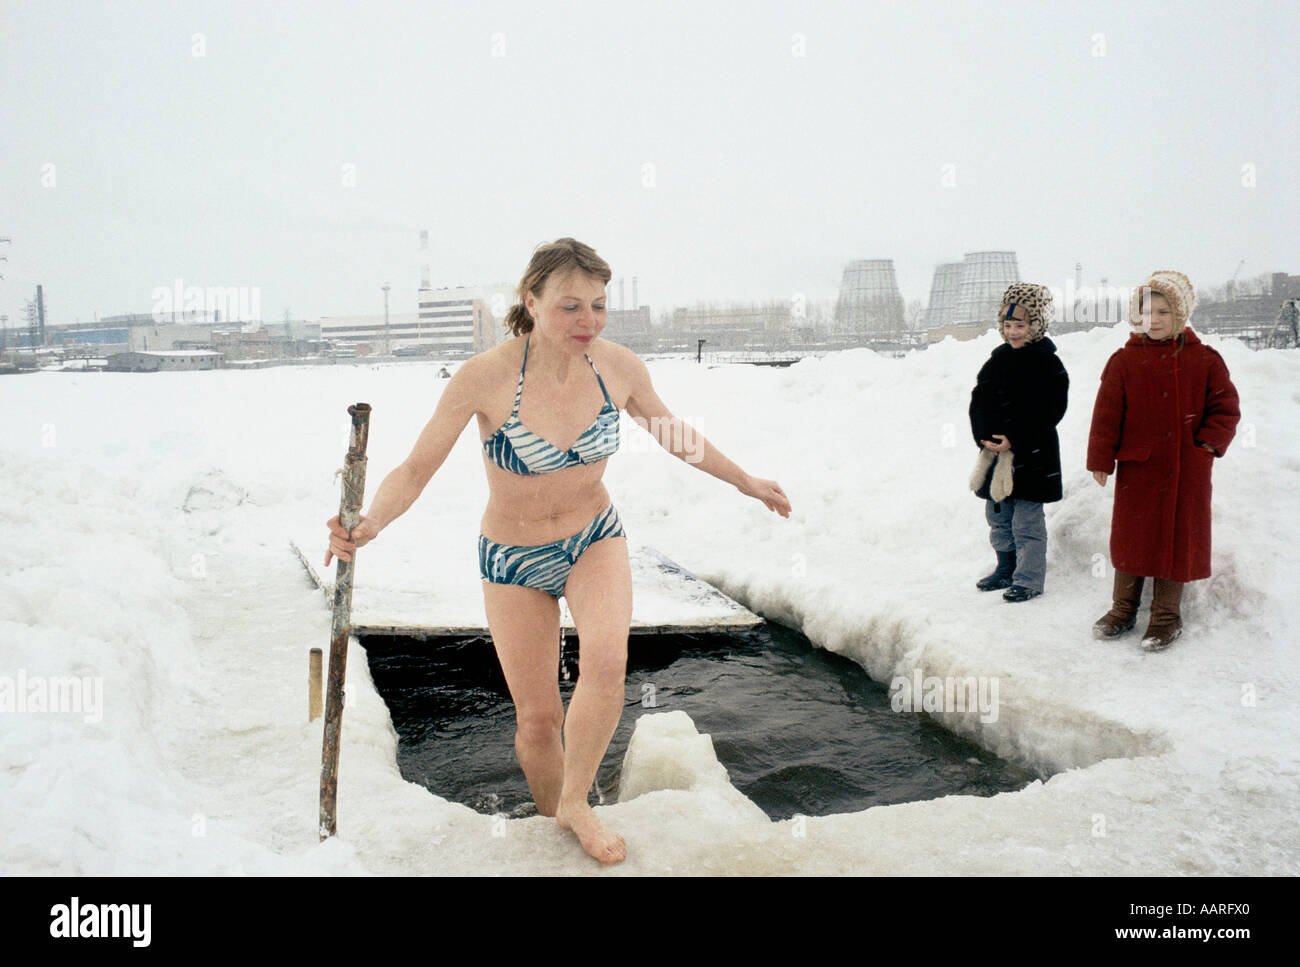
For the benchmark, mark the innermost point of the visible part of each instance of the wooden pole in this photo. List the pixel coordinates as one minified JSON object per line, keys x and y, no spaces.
{"x":354,"y":486}
{"x":313,"y":685}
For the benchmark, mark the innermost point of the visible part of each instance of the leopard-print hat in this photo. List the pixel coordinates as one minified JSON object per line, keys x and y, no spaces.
{"x":1037,"y":303}
{"x":1175,"y":287}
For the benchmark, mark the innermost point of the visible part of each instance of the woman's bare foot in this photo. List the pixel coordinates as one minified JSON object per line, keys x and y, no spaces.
{"x":599,"y":842}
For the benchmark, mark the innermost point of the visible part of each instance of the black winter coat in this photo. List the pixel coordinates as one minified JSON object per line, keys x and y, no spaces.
{"x":1022,"y":394}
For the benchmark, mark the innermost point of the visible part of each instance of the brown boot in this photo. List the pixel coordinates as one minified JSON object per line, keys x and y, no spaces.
{"x":1123,"y":613}
{"x":1166,"y":622}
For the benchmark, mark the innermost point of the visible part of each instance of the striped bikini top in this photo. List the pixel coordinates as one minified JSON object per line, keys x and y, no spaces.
{"x":518,"y":449}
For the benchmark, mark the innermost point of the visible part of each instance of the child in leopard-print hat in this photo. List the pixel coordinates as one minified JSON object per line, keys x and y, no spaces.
{"x":1019,"y":398}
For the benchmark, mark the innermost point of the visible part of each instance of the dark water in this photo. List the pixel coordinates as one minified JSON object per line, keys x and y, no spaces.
{"x":798,"y":729}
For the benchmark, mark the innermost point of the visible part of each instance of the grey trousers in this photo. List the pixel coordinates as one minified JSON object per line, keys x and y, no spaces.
{"x":1019,"y":525}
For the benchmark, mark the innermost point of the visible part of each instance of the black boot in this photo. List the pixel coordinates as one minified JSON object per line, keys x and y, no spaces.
{"x":1019,"y":593}
{"x":1001,"y":578}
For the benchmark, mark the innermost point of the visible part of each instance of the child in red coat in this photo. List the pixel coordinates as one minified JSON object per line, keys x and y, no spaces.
{"x":1166,"y":409}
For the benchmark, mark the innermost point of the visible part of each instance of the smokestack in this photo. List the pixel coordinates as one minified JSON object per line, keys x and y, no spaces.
{"x":621,"y":304}
{"x":635,"y":304}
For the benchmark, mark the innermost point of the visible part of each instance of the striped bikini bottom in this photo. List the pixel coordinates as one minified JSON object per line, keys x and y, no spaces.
{"x":545,"y":567}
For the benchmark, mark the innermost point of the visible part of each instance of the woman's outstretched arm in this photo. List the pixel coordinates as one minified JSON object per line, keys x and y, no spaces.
{"x":689,"y":445}
{"x":459,"y":401}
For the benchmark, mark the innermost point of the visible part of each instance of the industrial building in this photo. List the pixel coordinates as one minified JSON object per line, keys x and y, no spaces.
{"x":754,"y":326}
{"x":626,"y":325}
{"x":869,"y":303}
{"x":965,"y":303}
{"x":942,"y":307}
{"x":984,"y":277}
{"x":184,"y":360}
{"x":257,"y":340}
{"x":462,"y":320}
{"x":630,"y":328}
{"x":1266,"y":319}
{"x":82,"y":340}
{"x":369,"y":334}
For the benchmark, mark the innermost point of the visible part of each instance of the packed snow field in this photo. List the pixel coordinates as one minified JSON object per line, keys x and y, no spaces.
{"x":155,"y":626}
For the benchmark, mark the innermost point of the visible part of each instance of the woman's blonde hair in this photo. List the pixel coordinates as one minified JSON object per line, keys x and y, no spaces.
{"x":560,"y":257}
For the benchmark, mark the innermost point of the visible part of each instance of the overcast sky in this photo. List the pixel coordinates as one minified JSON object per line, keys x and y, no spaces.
{"x":716,"y":151}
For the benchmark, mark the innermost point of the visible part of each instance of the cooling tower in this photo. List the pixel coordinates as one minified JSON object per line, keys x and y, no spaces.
{"x":869,"y":299}
{"x":984,"y":277}
{"x":944,"y":294}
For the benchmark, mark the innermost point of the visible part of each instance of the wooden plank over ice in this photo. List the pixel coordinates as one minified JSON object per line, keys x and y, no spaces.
{"x":666,"y":599}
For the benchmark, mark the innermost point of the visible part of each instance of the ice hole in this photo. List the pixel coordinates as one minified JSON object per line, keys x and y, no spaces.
{"x":799,"y":730}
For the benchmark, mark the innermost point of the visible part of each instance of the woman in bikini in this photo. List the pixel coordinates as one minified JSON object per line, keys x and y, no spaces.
{"x":549,"y":529}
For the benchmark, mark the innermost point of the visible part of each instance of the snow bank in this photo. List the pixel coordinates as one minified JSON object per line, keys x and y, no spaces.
{"x":147,"y":519}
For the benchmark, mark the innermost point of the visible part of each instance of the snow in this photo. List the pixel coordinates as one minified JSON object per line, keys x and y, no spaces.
{"x":668,"y":600}
{"x":667,"y":752}
{"x":147,"y":520}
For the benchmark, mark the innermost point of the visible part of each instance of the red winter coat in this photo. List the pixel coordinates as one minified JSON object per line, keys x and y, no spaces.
{"x":1156,"y":405}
